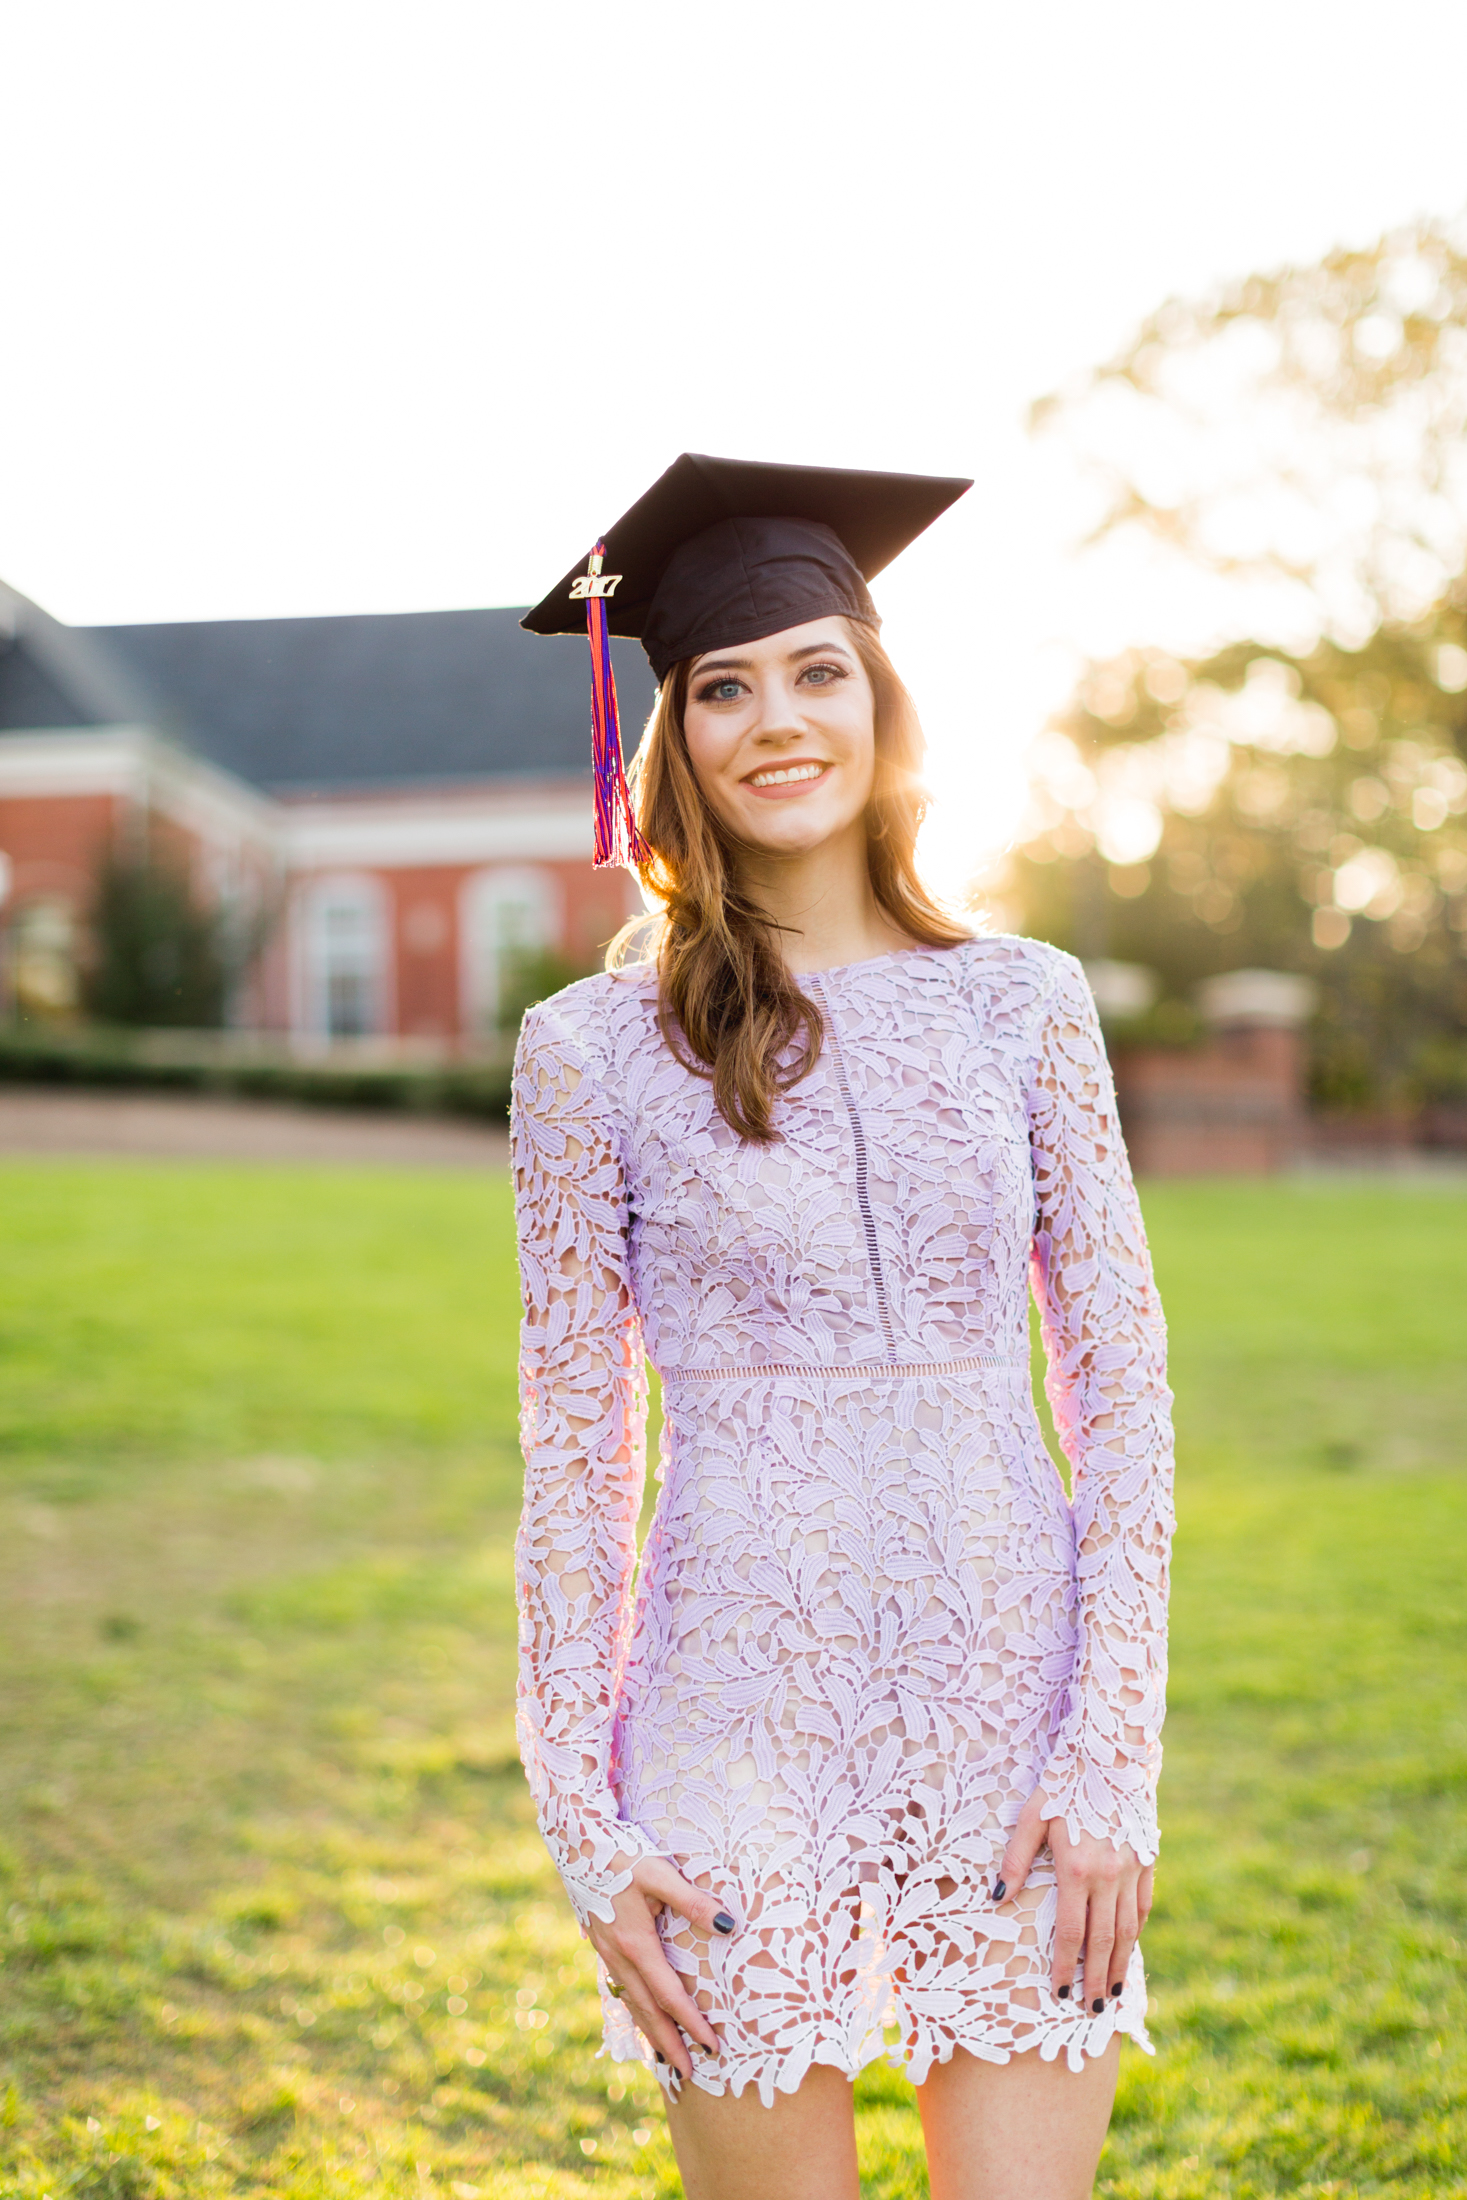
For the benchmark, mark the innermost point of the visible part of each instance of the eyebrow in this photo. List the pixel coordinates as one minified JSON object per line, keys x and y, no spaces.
{"x":796,"y":656}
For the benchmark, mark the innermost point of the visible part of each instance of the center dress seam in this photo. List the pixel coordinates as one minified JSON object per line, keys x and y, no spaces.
{"x":863,"y":1199}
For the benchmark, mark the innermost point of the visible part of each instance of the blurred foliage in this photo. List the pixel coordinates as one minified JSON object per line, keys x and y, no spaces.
{"x":159,"y":956}
{"x":1303,"y":432}
{"x":115,"y":1057}
{"x":1169,"y":1022}
{"x":533,"y":976}
{"x":1313,"y":818}
{"x":1295,"y":803}
{"x":1441,"y":1072}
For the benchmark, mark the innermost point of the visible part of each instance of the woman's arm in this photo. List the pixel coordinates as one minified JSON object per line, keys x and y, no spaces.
{"x":583,"y":1428}
{"x":583,"y":1415}
{"x":1105,"y":1344}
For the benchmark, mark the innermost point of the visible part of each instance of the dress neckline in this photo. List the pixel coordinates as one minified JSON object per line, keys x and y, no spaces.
{"x":878,"y":962}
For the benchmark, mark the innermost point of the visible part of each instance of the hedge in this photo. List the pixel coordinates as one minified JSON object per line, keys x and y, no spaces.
{"x":215,"y":1062}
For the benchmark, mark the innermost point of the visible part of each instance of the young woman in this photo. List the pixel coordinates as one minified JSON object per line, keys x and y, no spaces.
{"x":873,"y":1740}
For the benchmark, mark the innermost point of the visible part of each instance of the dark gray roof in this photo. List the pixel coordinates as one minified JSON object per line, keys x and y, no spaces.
{"x":297,"y":704}
{"x":53,"y":675}
{"x":29,"y":696}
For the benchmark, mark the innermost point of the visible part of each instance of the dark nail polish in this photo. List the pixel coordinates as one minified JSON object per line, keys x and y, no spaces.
{"x":1098,"y":2004}
{"x":1115,"y":1989}
{"x":723,"y":1923}
{"x":1000,"y":1889}
{"x":1064,"y":1993}
{"x":657,"y":2051}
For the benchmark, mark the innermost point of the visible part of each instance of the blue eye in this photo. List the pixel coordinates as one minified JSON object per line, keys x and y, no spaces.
{"x":720,"y":691}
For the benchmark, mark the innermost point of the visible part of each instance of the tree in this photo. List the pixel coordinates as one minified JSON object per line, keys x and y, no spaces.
{"x":533,"y":975}
{"x":1308,"y":813}
{"x":159,"y":957}
{"x":1298,"y":439}
{"x":1296,"y":798}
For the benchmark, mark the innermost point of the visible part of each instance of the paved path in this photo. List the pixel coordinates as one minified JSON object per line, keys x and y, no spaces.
{"x":194,"y":1127}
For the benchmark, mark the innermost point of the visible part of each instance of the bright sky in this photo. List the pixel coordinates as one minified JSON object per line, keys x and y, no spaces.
{"x":323,"y":307}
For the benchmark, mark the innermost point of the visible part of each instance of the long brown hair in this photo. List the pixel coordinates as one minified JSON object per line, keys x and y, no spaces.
{"x":728,"y":1005}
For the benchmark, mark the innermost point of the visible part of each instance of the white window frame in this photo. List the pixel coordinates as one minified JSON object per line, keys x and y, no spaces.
{"x":314,"y":960}
{"x":485,"y":939}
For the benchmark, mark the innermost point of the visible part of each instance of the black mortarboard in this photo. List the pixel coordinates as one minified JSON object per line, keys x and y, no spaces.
{"x":721,"y":551}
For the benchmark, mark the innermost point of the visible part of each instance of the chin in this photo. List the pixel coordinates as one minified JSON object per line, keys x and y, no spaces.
{"x":788,"y":831}
{"x":801,"y":841}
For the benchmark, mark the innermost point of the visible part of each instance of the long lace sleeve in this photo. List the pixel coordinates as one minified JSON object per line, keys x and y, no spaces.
{"x":1105,"y":1344}
{"x":583,"y":1427}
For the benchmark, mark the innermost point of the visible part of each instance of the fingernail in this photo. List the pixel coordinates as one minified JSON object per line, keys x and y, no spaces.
{"x":1116,"y":1989}
{"x":723,"y":1923}
{"x":1098,"y":2004}
{"x":1000,"y":1889}
{"x":657,"y":2051}
{"x":1064,"y":1993}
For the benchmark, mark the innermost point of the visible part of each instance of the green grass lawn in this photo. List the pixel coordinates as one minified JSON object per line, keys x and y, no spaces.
{"x":276,"y":1920}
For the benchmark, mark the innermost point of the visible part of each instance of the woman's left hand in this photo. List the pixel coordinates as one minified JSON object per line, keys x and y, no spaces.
{"x":1104,"y":1900}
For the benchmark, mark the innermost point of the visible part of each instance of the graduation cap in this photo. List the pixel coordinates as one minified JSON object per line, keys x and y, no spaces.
{"x":721,"y":551}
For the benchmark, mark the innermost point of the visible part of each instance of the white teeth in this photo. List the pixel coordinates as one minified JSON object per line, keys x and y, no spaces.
{"x":783,"y":778}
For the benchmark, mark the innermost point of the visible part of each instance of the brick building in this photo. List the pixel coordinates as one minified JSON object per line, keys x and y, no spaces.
{"x":1233,"y":1105}
{"x":405,"y":801}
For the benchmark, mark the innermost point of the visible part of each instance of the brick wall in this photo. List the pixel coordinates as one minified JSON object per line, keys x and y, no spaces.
{"x":1233,"y":1107}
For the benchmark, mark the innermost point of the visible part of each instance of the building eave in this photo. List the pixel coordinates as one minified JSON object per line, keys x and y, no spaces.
{"x":133,"y":762}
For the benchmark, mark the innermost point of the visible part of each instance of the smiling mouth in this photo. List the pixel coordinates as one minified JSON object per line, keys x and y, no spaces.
{"x":786,"y":775}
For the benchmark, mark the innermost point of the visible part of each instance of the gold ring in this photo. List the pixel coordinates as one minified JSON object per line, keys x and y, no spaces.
{"x":614,"y":1990}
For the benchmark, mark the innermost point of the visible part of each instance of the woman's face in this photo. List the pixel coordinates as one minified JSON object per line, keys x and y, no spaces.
{"x":781,"y":735}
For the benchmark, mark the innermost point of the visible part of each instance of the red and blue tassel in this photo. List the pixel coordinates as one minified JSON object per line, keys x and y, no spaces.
{"x":617,"y":838}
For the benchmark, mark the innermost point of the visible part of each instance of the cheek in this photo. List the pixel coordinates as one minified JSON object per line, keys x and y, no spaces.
{"x":710,"y":749}
{"x":860,"y":748}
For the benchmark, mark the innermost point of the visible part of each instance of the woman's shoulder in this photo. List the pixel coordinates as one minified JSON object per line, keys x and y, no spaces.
{"x":1010,"y":962}
{"x":1015,"y":987}
{"x":595,"y":1017}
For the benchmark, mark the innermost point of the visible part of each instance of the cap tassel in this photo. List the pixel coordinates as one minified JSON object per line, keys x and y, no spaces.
{"x":617,"y":838}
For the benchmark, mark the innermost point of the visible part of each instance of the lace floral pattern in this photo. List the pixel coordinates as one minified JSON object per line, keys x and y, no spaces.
{"x":867,"y":1621}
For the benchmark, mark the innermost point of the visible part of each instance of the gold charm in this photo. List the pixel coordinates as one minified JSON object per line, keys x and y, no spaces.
{"x":593,"y":582}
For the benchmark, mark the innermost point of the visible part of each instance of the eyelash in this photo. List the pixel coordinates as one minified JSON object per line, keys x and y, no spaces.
{"x":709,"y":694}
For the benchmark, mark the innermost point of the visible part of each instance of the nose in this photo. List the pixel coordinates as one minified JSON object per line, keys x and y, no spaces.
{"x":779,"y":715}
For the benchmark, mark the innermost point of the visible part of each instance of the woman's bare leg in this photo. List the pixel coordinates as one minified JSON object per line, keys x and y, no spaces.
{"x":1021,"y":2130}
{"x":734,"y":2148}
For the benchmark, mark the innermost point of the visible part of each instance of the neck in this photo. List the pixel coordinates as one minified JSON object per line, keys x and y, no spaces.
{"x":823,"y":903}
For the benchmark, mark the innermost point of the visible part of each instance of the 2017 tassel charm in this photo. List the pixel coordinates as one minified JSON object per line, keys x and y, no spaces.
{"x":617,"y":838}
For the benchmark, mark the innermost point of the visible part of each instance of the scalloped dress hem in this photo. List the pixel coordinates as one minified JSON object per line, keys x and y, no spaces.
{"x":915,"y":2058}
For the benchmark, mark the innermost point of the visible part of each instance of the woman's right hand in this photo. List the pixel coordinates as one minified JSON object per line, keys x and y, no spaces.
{"x":661,"y":2006}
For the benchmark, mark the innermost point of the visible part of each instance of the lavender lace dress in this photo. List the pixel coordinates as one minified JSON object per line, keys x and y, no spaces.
{"x":867,"y":1621}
